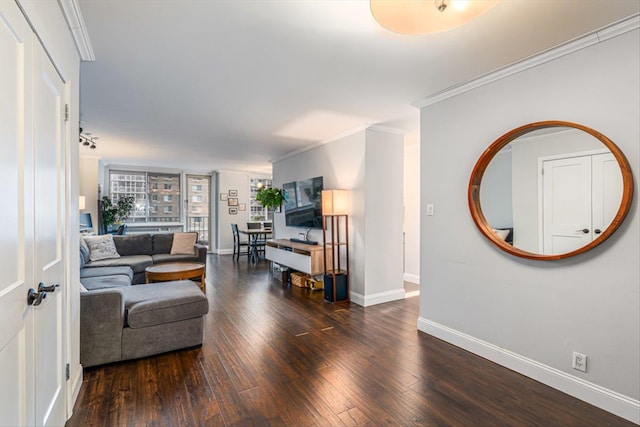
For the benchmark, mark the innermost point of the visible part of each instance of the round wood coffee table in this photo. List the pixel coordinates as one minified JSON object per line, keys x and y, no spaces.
{"x":176,"y":271}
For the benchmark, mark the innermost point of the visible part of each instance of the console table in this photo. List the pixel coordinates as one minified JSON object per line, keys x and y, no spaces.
{"x":298,"y":256}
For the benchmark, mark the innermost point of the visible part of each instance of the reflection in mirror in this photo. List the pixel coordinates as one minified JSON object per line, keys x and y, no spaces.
{"x":551,"y":191}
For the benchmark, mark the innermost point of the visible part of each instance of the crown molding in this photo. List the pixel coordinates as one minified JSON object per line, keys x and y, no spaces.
{"x":606,"y":33}
{"x":75,"y":21}
{"x":364,"y":126}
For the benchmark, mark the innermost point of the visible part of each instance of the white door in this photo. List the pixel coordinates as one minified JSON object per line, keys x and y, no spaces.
{"x":607,"y":190}
{"x":32,"y":388}
{"x":16,"y":236}
{"x":49,"y":210}
{"x":566,"y":204}
{"x":581,"y":196}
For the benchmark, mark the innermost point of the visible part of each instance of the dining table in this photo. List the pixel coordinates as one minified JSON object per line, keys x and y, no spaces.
{"x":254,"y":237}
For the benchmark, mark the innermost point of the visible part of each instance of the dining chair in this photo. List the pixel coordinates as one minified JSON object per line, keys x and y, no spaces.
{"x":259,"y":241}
{"x":238,"y":243}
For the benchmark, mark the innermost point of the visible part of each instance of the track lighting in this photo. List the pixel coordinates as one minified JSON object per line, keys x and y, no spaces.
{"x":88,"y":140}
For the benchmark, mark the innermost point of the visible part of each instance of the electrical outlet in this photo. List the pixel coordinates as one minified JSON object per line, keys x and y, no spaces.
{"x":430,"y":209}
{"x":579,"y":362}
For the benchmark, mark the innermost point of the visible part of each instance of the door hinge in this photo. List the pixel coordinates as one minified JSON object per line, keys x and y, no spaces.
{"x":66,"y":372}
{"x":542,"y":171}
{"x":66,"y":112}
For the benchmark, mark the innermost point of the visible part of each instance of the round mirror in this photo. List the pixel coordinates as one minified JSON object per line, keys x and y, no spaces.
{"x":550,"y":190}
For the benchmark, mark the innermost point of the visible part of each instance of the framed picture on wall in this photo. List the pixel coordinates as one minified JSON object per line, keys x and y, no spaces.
{"x":242,"y":207}
{"x":233,"y":211}
{"x":233,"y":193}
{"x":232,"y":201}
{"x":223,"y":197}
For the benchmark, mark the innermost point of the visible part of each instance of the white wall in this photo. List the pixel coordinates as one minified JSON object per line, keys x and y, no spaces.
{"x":89,"y":169}
{"x":225,"y":181}
{"x":532,"y":315}
{"x":368,"y":163}
{"x":411,"y":190}
{"x":495,"y":192}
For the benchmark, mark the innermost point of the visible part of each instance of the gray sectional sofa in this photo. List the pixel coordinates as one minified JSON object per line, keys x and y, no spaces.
{"x":137,"y":251}
{"x":121,"y":319}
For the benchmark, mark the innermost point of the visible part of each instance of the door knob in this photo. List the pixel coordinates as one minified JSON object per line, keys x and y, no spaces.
{"x":597,"y":231}
{"x":35,"y":298}
{"x":584,"y":230}
{"x":42,"y":287}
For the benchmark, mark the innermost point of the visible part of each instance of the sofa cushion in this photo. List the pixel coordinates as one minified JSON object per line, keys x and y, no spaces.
{"x":166,"y":302}
{"x":103,"y":282}
{"x":160,"y":258}
{"x":101,"y":247}
{"x":137,"y":262}
{"x":184,"y":243}
{"x":123,"y":270}
{"x":162,"y":243}
{"x":134,"y":244}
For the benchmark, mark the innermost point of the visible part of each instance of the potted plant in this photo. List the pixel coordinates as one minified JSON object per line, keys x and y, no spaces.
{"x":115,"y":213}
{"x":270,"y":197}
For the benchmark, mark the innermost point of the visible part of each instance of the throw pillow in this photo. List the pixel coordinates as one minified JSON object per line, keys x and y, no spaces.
{"x":184,"y":243}
{"x":101,"y":247}
{"x":84,"y":252}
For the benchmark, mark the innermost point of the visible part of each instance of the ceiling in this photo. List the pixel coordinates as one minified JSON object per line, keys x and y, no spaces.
{"x":205,"y":85}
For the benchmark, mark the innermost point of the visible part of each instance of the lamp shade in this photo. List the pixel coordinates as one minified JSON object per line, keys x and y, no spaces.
{"x":335,"y":202}
{"x":81,"y":203}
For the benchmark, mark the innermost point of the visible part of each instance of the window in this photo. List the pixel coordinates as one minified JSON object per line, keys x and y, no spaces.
{"x":156,"y":195}
{"x":198,"y":190}
{"x":256,"y":211}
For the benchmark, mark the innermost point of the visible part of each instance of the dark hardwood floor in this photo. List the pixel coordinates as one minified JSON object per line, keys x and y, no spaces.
{"x":281,"y":356}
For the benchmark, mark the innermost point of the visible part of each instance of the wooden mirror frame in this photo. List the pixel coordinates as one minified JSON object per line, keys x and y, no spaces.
{"x":488,"y":155}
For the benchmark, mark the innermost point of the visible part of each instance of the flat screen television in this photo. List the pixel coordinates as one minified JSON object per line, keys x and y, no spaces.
{"x":85,"y":222}
{"x":303,"y":203}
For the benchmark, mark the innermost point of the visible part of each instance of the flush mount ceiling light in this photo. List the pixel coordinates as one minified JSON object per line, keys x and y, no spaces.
{"x":427,"y":16}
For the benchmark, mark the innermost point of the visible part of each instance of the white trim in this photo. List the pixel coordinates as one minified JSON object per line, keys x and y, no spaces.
{"x":76,"y":384}
{"x":223,"y":251}
{"x":616,"y":29}
{"x":365,"y":126}
{"x":75,"y":21}
{"x":382,"y":297}
{"x":412,"y":294}
{"x":611,"y":401}
{"x":411,"y":278}
{"x":319,"y":143}
{"x":356,"y":298}
{"x":387,"y":129}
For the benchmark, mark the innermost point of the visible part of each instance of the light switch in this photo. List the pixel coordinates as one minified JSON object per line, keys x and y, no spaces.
{"x":430,"y":209}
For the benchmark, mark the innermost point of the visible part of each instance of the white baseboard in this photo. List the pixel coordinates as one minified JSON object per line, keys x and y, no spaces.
{"x":411,"y":278}
{"x":356,"y":298}
{"x":616,"y":403}
{"x":412,"y":294}
{"x":223,"y":251}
